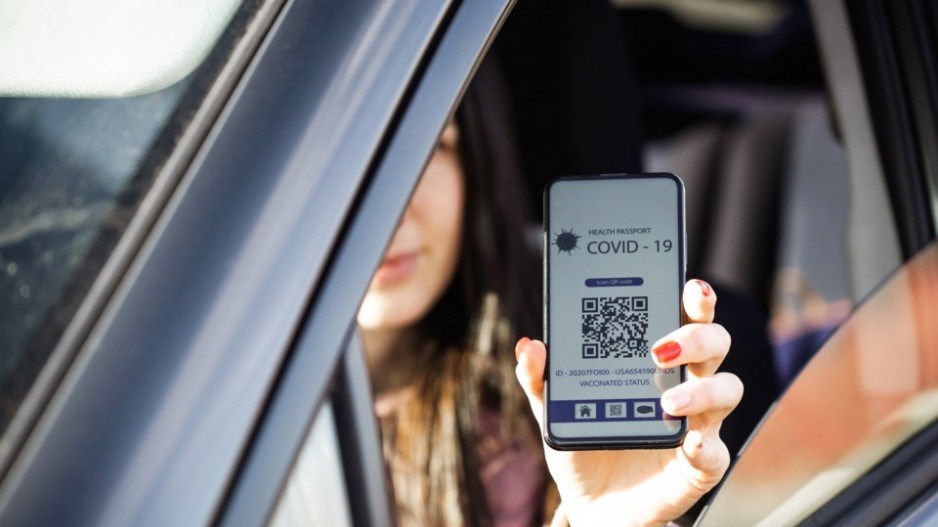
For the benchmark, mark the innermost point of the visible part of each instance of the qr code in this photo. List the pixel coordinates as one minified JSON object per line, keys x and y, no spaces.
{"x":615,"y":327}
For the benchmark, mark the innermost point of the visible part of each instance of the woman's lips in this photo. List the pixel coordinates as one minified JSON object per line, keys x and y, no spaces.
{"x":396,"y":268}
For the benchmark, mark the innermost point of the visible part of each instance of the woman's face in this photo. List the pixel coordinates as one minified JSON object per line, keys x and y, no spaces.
{"x":424,"y":252}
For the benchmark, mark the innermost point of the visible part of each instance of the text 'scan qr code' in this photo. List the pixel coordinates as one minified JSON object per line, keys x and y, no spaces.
{"x":615,"y":327}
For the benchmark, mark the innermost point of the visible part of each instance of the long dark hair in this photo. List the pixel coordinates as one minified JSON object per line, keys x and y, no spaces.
{"x":468,"y":337}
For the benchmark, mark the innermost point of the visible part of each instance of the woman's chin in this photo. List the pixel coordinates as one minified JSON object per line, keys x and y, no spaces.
{"x":384,"y":311}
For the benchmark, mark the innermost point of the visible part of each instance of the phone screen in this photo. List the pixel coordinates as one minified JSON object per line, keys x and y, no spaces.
{"x":614,"y":257}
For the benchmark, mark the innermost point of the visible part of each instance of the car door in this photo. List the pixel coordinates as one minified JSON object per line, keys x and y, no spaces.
{"x":851,"y":442}
{"x":216,"y":325}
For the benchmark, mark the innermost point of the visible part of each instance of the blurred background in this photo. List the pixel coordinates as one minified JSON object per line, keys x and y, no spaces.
{"x":727,"y":94}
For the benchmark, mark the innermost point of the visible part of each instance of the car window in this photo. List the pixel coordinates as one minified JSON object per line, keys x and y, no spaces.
{"x":119,"y":48}
{"x":873,"y":386}
{"x":316,"y":491}
{"x":189,"y":355}
{"x":73,"y":172}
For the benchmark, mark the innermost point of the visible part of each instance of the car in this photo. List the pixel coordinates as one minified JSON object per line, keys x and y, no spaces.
{"x":185,"y":247}
{"x":201,"y":315}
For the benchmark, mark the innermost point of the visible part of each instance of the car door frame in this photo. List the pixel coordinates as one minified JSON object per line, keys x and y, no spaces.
{"x":227,"y":326}
{"x":291,"y":410}
{"x":883,"y":87}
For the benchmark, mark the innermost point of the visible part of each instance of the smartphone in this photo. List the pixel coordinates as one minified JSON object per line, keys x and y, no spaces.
{"x":614,"y":266}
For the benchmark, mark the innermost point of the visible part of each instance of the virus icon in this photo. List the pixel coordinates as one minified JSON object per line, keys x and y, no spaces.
{"x":566,"y":241}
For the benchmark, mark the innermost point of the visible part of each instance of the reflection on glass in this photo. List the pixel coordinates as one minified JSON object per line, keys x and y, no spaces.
{"x":70,"y":179}
{"x":315,"y":493}
{"x":870,"y":388}
{"x":73,"y":171}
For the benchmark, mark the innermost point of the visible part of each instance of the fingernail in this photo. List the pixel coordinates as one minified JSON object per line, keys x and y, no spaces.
{"x":674,"y":400}
{"x":523,"y":341}
{"x":704,"y":287}
{"x":667,"y":352}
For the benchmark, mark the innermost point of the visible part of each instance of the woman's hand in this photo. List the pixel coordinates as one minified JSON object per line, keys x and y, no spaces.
{"x":650,"y":487}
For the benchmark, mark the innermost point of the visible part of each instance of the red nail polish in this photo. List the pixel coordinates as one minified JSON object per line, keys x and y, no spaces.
{"x":704,"y":287}
{"x":667,"y":352}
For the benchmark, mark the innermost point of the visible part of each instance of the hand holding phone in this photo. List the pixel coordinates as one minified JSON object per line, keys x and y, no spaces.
{"x":649,"y":487}
{"x":614,"y":271}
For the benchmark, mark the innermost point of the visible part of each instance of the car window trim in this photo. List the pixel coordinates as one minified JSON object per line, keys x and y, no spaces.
{"x":360,"y":439}
{"x":923,"y":511}
{"x":292,"y":406}
{"x":233,"y":54}
{"x":194,"y":334}
{"x":887,"y":489}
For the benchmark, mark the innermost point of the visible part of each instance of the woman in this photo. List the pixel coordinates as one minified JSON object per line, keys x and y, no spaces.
{"x":457,"y":287}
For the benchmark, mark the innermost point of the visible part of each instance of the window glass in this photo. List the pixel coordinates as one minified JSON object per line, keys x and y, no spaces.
{"x":65,"y":163}
{"x":72,"y":174}
{"x":95,"y":48}
{"x":871,"y":387}
{"x":315,"y":493}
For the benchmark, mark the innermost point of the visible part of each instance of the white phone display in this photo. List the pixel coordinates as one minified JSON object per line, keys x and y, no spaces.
{"x":614,"y":271}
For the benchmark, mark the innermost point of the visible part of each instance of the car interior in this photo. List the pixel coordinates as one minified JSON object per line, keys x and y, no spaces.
{"x":730,"y":95}
{"x":738,"y":109}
